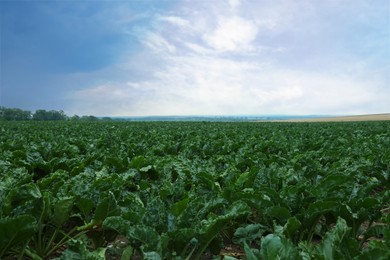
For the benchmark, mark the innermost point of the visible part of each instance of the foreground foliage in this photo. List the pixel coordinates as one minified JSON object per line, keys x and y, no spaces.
{"x":181,"y":190}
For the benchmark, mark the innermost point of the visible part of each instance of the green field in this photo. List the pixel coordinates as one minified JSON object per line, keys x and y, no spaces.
{"x":188,"y":190}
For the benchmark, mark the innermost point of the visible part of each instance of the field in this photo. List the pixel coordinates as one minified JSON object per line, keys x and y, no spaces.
{"x":355,"y":118}
{"x":194,"y":190}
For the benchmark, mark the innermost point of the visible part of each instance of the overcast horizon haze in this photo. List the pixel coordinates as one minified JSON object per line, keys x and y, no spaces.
{"x":196,"y":57}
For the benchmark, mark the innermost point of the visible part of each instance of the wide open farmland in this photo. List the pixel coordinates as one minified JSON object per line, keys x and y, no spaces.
{"x":187,"y":190}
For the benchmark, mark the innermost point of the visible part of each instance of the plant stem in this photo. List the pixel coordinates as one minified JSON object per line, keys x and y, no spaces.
{"x":51,"y":239}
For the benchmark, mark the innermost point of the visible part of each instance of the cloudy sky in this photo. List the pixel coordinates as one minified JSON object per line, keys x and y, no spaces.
{"x":196,"y":57}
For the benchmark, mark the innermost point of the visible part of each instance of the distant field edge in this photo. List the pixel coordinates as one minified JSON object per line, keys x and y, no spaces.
{"x":369,"y":117}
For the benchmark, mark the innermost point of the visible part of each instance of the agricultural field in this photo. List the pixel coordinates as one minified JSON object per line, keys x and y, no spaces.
{"x":194,"y":190}
{"x":355,"y":118}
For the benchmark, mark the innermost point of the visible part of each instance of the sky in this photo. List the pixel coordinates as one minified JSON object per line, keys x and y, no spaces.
{"x":196,"y":57}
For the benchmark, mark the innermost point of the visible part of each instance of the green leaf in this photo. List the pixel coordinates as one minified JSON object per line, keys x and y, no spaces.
{"x":149,"y":172}
{"x":337,"y":244}
{"x":15,"y":232}
{"x":250,"y":253}
{"x":244,"y":178}
{"x":316,"y":209}
{"x":376,"y":250}
{"x":249,"y":233}
{"x":271,"y":246}
{"x":333,"y":239}
{"x":227,"y":257}
{"x":117,"y":223}
{"x":143,"y":236}
{"x":151,"y":256}
{"x":77,"y":250}
{"x":137,"y":162}
{"x":107,"y":207}
{"x":275,"y":247}
{"x":280,"y":213}
{"x":85,"y":205}
{"x":291,"y":227}
{"x":62,"y":210}
{"x":181,"y":240}
{"x":22,"y":198}
{"x":375,"y":231}
{"x":127,"y":253}
{"x":212,"y":227}
{"x":179,"y":207}
{"x":335,"y":184}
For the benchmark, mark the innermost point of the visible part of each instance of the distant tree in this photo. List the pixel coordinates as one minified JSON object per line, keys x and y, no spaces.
{"x":14,"y":114}
{"x":57,"y":115}
{"x":75,"y":118}
{"x":89,"y":118}
{"x":43,"y":115}
{"x":40,"y":114}
{"x":8,"y":114}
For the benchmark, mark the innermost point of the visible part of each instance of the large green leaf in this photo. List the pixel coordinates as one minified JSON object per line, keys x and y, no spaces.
{"x":212,"y":227}
{"x":251,"y":254}
{"x":337,"y":244}
{"x":77,"y":250}
{"x":248,"y":233}
{"x":16,"y":231}
{"x":291,"y":227}
{"x":276,"y":247}
{"x":117,"y":223}
{"x":143,"y":237}
{"x":85,"y":205}
{"x":179,"y":207}
{"x":62,"y":210}
{"x":22,"y":199}
{"x":106,"y":207}
{"x":278,"y":212}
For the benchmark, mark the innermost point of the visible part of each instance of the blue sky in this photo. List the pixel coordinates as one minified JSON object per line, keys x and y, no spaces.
{"x":196,"y":57}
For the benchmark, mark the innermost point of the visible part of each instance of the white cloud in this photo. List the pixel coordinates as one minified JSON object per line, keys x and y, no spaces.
{"x":175,"y":20}
{"x":158,"y":43}
{"x":212,"y":85}
{"x":200,"y":65}
{"x":234,"y":3}
{"x":232,"y":34}
{"x":197,"y":48}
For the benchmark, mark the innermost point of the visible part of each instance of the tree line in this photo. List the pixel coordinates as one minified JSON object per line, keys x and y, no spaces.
{"x":17,"y":114}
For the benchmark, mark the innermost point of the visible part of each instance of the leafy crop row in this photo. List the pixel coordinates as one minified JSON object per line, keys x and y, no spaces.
{"x":181,"y":190}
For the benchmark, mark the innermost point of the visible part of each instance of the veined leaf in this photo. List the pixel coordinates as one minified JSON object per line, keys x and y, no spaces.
{"x":151,"y":256}
{"x":15,"y":232}
{"x":21,"y":196}
{"x":179,"y":207}
{"x":77,"y":250}
{"x":143,"y":236}
{"x":275,"y":247}
{"x":85,"y":205}
{"x":62,"y":210}
{"x":212,"y":227}
{"x":280,"y":213}
{"x":106,"y":207}
{"x":337,"y":244}
{"x":248,"y":233}
{"x":251,"y":254}
{"x":291,"y":227}
{"x":117,"y":223}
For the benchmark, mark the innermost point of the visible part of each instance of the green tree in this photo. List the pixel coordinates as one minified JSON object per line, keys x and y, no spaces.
{"x":44,"y":115}
{"x":75,"y":118}
{"x":89,"y":118}
{"x":14,"y":114}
